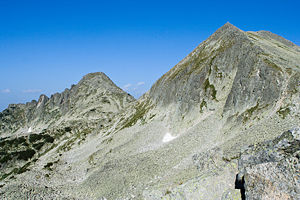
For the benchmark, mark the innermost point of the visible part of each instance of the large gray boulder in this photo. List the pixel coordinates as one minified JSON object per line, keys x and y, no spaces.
{"x":271,"y":170}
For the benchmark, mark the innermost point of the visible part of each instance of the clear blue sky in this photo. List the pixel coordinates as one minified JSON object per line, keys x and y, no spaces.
{"x":45,"y":46}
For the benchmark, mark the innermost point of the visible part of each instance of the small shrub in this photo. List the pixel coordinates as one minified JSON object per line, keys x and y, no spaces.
{"x":68,"y":129}
{"x":35,"y":137}
{"x":24,"y":168}
{"x":38,"y":146}
{"x":48,"y":166}
{"x":211,"y":88}
{"x":49,"y":139}
{"x":5,"y":158}
{"x":167,"y":192}
{"x":202,"y":105}
{"x":283,"y":112}
{"x":20,"y":140}
{"x":26,"y":155}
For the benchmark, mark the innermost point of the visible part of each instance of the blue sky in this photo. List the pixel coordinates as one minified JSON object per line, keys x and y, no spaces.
{"x":45,"y":46}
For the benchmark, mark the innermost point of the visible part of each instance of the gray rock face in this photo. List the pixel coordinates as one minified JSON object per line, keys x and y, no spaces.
{"x":94,"y":97}
{"x":271,"y":170}
{"x":239,"y":67}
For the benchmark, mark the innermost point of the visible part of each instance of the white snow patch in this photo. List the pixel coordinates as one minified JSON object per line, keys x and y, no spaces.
{"x":257,"y":73}
{"x":168,"y":137}
{"x":29,"y":130}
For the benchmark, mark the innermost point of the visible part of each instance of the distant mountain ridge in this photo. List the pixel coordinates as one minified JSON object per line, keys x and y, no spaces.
{"x":79,"y":102}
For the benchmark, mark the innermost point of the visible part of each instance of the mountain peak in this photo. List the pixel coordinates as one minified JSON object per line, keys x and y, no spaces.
{"x":95,"y":91}
{"x":95,"y":74}
{"x":228,"y":26}
{"x":228,"y":32}
{"x":97,"y":78}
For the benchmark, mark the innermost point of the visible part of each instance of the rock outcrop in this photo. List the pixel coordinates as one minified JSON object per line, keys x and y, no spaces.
{"x":271,"y":170}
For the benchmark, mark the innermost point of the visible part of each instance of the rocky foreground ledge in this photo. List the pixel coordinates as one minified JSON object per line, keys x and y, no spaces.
{"x":271,"y":170}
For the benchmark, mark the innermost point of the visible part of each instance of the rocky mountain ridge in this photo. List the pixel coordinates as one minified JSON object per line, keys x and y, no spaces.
{"x":30,"y":130}
{"x":181,"y":140}
{"x":94,"y":97}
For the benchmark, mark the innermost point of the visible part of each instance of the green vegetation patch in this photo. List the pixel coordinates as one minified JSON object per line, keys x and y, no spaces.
{"x":105,"y":100}
{"x":199,"y":62}
{"x":78,"y":135}
{"x":152,"y":116}
{"x":254,"y":36}
{"x":207,"y":86}
{"x":68,"y":129}
{"x":24,"y":168}
{"x":35,"y":137}
{"x":202,"y":105}
{"x":13,"y":143}
{"x":273,"y":65}
{"x":26,"y":155}
{"x":20,"y":170}
{"x":25,"y":148}
{"x":91,"y":159}
{"x":283,"y":112}
{"x":140,"y":110}
{"x":38,"y":146}
{"x":48,"y":166}
{"x":248,"y":113}
{"x":191,"y":65}
{"x":19,"y":141}
{"x":48,"y":139}
{"x":5,"y":158}
{"x":180,"y":68}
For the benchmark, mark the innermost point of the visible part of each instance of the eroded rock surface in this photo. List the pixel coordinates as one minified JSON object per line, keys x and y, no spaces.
{"x":271,"y":170}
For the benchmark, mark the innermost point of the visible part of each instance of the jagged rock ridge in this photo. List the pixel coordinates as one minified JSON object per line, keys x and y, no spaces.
{"x":94,"y":97}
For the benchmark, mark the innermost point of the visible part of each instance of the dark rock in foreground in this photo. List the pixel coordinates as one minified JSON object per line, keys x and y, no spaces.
{"x":271,"y":170}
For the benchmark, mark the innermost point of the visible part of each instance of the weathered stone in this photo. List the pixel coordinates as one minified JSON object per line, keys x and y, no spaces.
{"x":271,"y":170}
